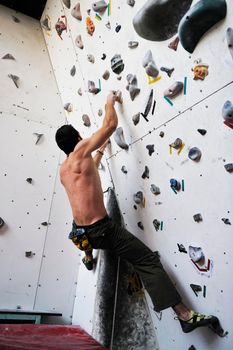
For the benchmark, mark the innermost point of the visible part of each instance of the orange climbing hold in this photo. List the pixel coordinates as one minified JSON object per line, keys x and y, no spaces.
{"x":90,"y":26}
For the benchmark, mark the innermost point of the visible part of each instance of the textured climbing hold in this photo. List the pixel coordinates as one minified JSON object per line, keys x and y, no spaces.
{"x":182,"y":248}
{"x":73,"y":71}
{"x":123,"y":169}
{"x":148,"y":105}
{"x":131,"y":3}
{"x":161,"y":134}
{"x":177,"y":143}
{"x":202,"y":131}
{"x":99,"y":6}
{"x":226,"y":221}
{"x":76,"y":12}
{"x":46,"y":23}
{"x":80,"y":92}
{"x":229,"y":36}
{"x":197,"y":217}
{"x":91,"y":58}
{"x":200,"y":71}
{"x":158,"y":20}
{"x":68,"y":107}
{"x":15,"y":19}
{"x":146,"y":173}
{"x":149,"y":64}
{"x":106,"y":74}
{"x":8,"y":56}
{"x":175,"y":184}
{"x":227,"y":112}
{"x":15,"y":79}
{"x":29,"y":180}
{"x":138,"y":197}
{"x":200,"y":18}
{"x":92,"y":88}
{"x":174,"y":44}
{"x":2,"y":223}
{"x":119,"y":138}
{"x":229,"y":167}
{"x":38,"y":137}
{"x":117,"y":64}
{"x":140,"y":225}
{"x":100,"y":112}
{"x":132,"y":44}
{"x":154,"y":189}
{"x":79,"y":42}
{"x":169,"y":71}
{"x":60,"y":26}
{"x":136,"y":118}
{"x":86,"y":120}
{"x":194,"y":154}
{"x":151,"y":149}
{"x":196,"y":254}
{"x":174,"y":90}
{"x":156,"y":224}
{"x":196,"y":288}
{"x":90,"y":26}
{"x":66,"y":3}
{"x":118,"y":28}
{"x":132,"y":86}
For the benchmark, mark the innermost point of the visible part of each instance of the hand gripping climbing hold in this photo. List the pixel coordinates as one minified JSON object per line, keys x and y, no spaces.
{"x":132,"y":86}
{"x":194,"y":154}
{"x":119,"y":138}
{"x":76,"y":12}
{"x":227,"y":112}
{"x":158,"y":20}
{"x":99,"y":6}
{"x":117,"y":64}
{"x":149,"y":65}
{"x":174,"y":89}
{"x":200,"y":18}
{"x":230,"y":40}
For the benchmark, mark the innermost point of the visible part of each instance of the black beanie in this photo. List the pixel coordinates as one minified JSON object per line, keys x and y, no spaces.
{"x":67,"y":138}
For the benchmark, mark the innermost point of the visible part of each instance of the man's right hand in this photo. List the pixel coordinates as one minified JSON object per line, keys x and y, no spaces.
{"x":114,"y":96}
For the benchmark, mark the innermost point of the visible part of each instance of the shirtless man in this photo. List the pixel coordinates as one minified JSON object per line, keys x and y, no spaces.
{"x":92,"y":228}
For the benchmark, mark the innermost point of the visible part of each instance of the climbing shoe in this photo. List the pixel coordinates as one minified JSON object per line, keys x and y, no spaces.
{"x":88,"y":263}
{"x":197,"y":320}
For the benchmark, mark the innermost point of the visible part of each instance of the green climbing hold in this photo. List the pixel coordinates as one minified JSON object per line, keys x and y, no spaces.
{"x":200,"y":18}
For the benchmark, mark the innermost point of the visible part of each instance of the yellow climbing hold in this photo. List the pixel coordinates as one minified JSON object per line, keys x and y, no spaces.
{"x":152,"y":81}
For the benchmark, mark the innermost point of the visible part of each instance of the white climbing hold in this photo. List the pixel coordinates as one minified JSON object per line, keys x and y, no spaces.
{"x":78,"y":42}
{"x":132,"y":86}
{"x":174,"y":89}
{"x":76,"y":12}
{"x":91,"y":58}
{"x":227,"y":112}
{"x":230,"y":40}
{"x":149,"y":65}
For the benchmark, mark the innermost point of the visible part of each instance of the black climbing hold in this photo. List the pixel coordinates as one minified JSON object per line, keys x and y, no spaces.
{"x":29,"y":180}
{"x":2,"y":223}
{"x":151,"y":149}
{"x":182,"y":248}
{"x":146,"y":173}
{"x":8,"y":56}
{"x":161,"y":134}
{"x":200,"y":18}
{"x":169,"y":71}
{"x":226,"y":221}
{"x":140,"y":225}
{"x":138,"y":198}
{"x":196,"y":288}
{"x":38,"y":137}
{"x":154,"y":189}
{"x":131,"y":3}
{"x":28,"y":254}
{"x":123,"y":169}
{"x":158,"y":20}
{"x":156,"y":224}
{"x":197,"y":217}
{"x":118,"y":28}
{"x":15,"y":19}
{"x":175,"y":184}
{"x":148,"y":105}
{"x":202,"y":131}
{"x":229,"y":167}
{"x":192,"y":348}
{"x":117,"y":64}
{"x":45,"y":223}
{"x":15,"y":79}
{"x":136,"y":118}
{"x":73,"y":71}
{"x":194,"y":154}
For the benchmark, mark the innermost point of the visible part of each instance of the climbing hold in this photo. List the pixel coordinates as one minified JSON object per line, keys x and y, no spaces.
{"x":99,"y":6}
{"x":15,"y":19}
{"x":156,"y":224}
{"x":202,"y":131}
{"x":200,"y":18}
{"x":169,"y":71}
{"x":2,"y":223}
{"x":196,"y":254}
{"x":177,"y":143}
{"x":161,"y":134}
{"x":174,"y":44}
{"x":46,"y":23}
{"x":108,"y":25}
{"x":197,"y":217}
{"x":118,"y":28}
{"x":229,"y":167}
{"x":227,"y":112}
{"x":154,"y":189}
{"x":138,"y":197}
{"x":76,"y":12}
{"x":174,"y":90}
{"x":103,"y":57}
{"x":118,"y":94}
{"x":140,"y":225}
{"x":200,"y":71}
{"x":117,"y":64}
{"x":100,"y":112}
{"x":136,"y":118}
{"x":123,"y":169}
{"x":68,"y":107}
{"x":45,"y":223}
{"x":119,"y":138}
{"x":149,"y":64}
{"x":226,"y":221}
{"x":132,"y":44}
{"x":78,"y":42}
{"x":175,"y":184}
{"x":8,"y":56}
{"x":148,"y":105}
{"x":28,"y":254}
{"x":194,"y":154}
{"x":66,"y":3}
{"x":38,"y":137}
{"x":146,"y":173}
{"x":192,"y":348}
{"x":86,"y":120}
{"x":91,"y":58}
{"x":15,"y":79}
{"x":60,"y":26}
{"x":132,"y":86}
{"x":182,"y":248}
{"x":90,"y":26}
{"x":80,"y":92}
{"x":106,"y":75}
{"x":196,"y":288}
{"x":29,"y":180}
{"x":73,"y":71}
{"x":131,"y":3}
{"x":158,"y":20}
{"x":230,"y":40}
{"x":92,"y":88}
{"x":151,"y":149}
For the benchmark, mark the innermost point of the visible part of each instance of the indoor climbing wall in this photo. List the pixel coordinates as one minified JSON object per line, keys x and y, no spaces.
{"x":170,"y":160}
{"x":38,"y":266}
